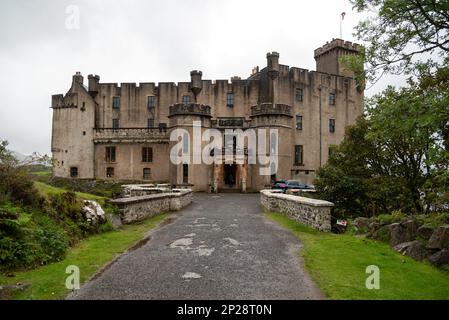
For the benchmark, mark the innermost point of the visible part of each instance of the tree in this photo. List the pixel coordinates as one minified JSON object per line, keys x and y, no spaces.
{"x":401,"y":31}
{"x":15,"y":183}
{"x":396,"y":157}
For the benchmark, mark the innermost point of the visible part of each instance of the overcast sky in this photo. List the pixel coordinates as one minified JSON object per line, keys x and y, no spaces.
{"x":147,"y":41}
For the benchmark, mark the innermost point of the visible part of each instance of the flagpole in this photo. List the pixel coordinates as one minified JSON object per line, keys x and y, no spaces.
{"x":342,"y":16}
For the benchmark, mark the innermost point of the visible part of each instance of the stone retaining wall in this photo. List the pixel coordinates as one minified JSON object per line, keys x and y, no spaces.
{"x":312,"y":212}
{"x":138,"y":208}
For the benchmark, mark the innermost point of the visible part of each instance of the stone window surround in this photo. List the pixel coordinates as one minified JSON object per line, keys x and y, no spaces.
{"x":116,"y":102}
{"x":299,"y":94}
{"x":332,"y":125}
{"x":230,"y":99}
{"x":147,"y":173}
{"x":110,"y":154}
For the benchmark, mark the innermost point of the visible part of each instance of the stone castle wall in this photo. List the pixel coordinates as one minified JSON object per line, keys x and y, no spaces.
{"x":311,"y":212}
{"x":133,"y":209}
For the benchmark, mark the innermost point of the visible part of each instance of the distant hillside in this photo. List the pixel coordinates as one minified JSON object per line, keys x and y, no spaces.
{"x":26,"y":158}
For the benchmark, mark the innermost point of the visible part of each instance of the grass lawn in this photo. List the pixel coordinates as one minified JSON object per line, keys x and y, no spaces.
{"x":337,"y":263}
{"x":45,"y":174}
{"x":48,"y":282}
{"x":45,"y":189}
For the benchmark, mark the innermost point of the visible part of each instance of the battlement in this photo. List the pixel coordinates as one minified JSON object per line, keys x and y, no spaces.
{"x":335,"y":44}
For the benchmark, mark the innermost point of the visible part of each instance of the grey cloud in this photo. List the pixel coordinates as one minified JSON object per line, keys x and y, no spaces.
{"x":137,"y":41}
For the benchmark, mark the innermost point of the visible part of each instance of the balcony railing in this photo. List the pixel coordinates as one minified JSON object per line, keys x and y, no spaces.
{"x":271,"y":109}
{"x":105,"y":135}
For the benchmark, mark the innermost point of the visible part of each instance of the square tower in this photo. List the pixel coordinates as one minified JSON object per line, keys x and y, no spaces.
{"x":328,"y":57}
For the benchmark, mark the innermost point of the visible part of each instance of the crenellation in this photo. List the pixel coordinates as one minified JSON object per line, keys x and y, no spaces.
{"x":132,"y":116}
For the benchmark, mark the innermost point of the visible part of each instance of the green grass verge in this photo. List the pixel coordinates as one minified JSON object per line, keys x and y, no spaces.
{"x":48,"y":282}
{"x":337,"y":263}
{"x":45,"y":190}
{"x":43,"y":173}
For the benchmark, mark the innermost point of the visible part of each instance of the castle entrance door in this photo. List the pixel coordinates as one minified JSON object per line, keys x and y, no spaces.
{"x":230,"y":175}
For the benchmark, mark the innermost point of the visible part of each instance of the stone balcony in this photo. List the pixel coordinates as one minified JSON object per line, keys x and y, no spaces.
{"x":265,"y":109}
{"x":131,"y":135}
{"x":190,"y":109}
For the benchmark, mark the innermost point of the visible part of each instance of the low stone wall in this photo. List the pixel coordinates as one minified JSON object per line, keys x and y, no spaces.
{"x":138,"y":208}
{"x":137,"y":190}
{"x":312,"y":212}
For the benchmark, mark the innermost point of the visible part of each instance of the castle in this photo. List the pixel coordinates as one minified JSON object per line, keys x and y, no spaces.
{"x":122,"y":132}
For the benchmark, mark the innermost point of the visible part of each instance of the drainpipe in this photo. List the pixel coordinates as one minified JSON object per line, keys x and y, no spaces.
{"x":321,"y":128}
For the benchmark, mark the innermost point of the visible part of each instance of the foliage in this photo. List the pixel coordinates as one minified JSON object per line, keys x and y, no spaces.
{"x":337,"y":263}
{"x":28,"y":240}
{"x":401,"y":31}
{"x":47,"y":282}
{"x":396,"y":157}
{"x":38,"y":222}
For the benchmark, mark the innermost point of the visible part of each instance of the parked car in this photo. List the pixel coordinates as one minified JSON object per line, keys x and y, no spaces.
{"x":280,"y":184}
{"x":295,"y":184}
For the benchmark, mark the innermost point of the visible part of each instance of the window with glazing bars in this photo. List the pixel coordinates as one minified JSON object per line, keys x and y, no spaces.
{"x":110,"y":154}
{"x":185,"y":100}
{"x":230,"y":99}
{"x":331,"y":125}
{"x":332,"y":97}
{"x":146,"y":173}
{"x":115,"y":123}
{"x":298,"y":122}
{"x":150,"y":102}
{"x":299,"y":94}
{"x":147,"y":154}
{"x":299,"y":155}
{"x":115,"y":102}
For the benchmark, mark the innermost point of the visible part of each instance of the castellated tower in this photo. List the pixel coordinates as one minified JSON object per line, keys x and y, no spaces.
{"x":187,"y":120}
{"x":122,"y":131}
{"x":328,"y":57}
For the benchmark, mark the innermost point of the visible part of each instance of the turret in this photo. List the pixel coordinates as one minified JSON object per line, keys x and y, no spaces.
{"x":273,"y":64}
{"x":77,"y":78}
{"x":196,"y":84}
{"x":94,"y":81}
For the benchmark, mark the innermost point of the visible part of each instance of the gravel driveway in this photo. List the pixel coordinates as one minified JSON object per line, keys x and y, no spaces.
{"x":219,"y":247}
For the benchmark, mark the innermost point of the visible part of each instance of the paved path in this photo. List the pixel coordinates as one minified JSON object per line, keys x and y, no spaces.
{"x":219,"y":247}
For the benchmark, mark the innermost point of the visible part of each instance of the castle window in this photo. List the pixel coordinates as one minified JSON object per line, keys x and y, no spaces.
{"x":115,"y":123}
{"x":109,"y":172}
{"x":110,"y":154}
{"x":146,"y":173}
{"x":116,"y":102}
{"x":332,"y":97}
{"x":230,"y":99}
{"x":332,"y":125}
{"x":273,"y":143}
{"x":162,"y":127}
{"x":299,"y":94}
{"x":299,"y":155}
{"x":150,"y":123}
{"x":147,"y":154}
{"x":185,"y":173}
{"x":73,"y":172}
{"x":298,"y":122}
{"x":150,"y":102}
{"x":185,"y":143}
{"x":331,"y":150}
{"x":185,"y":100}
